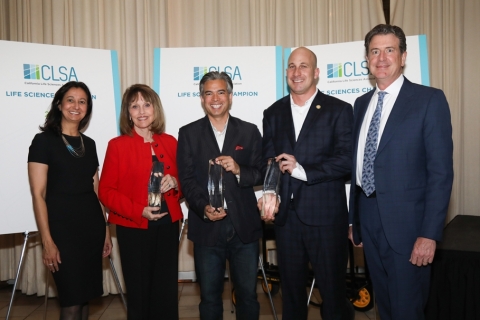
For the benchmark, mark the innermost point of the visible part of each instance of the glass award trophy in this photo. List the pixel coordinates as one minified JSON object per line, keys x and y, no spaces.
{"x":215,"y":185}
{"x":271,"y":186}
{"x":154,"y":194}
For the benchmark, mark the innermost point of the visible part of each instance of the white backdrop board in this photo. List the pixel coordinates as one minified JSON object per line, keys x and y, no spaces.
{"x":256,"y":72}
{"x":344,"y":71}
{"x":30,"y":74}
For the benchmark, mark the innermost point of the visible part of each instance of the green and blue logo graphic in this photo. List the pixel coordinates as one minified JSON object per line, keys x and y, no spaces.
{"x":334,"y":70}
{"x":31,"y":71}
{"x":199,"y":72}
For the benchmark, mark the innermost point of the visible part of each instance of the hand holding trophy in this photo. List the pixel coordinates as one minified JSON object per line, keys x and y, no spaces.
{"x":271,"y":186}
{"x":216,"y":188}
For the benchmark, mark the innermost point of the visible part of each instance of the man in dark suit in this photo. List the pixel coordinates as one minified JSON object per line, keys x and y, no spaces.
{"x":225,"y":233}
{"x":401,"y":179}
{"x":310,"y":133}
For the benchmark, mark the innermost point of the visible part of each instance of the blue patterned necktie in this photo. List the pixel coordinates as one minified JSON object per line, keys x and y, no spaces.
{"x":368,"y":178}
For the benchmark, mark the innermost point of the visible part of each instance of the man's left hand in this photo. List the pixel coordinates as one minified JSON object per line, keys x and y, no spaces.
{"x":423,"y":252}
{"x":228,"y":164}
{"x":288,"y":162}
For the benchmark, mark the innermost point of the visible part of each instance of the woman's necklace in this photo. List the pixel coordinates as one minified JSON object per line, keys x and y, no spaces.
{"x":76,"y":152}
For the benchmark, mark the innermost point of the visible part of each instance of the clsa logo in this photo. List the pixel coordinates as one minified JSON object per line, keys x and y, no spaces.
{"x":49,"y":73}
{"x":233,"y":72}
{"x":347,"y":69}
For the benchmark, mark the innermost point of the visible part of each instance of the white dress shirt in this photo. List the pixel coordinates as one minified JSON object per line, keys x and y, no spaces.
{"x":299,"y":114}
{"x":220,"y":137}
{"x":388,"y":102}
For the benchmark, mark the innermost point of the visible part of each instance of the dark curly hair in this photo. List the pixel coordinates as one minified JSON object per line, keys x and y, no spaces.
{"x":53,"y":121}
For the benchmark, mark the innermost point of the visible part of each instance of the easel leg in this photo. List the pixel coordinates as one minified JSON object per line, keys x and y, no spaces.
{"x":47,"y":275}
{"x":184,"y":222}
{"x":20,"y":264}
{"x":268,"y":288}
{"x":117,"y":281}
{"x":311,"y":290}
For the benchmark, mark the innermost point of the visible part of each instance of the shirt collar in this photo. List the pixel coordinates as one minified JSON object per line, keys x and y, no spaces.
{"x":394,"y":88}
{"x":224,"y":128}
{"x":307,"y":103}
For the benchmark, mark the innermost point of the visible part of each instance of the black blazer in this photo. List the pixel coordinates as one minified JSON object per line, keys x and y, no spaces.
{"x":196,"y":145}
{"x":323,"y":149}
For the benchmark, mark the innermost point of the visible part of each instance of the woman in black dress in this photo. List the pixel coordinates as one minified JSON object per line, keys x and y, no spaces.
{"x":63,"y":175}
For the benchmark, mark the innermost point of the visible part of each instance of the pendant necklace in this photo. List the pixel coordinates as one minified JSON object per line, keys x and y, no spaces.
{"x":76,"y":152}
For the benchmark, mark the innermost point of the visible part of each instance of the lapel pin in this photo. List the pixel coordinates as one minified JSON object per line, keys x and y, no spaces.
{"x":318,"y":106}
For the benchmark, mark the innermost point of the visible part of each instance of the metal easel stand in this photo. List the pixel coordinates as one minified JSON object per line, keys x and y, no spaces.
{"x":268,"y":288}
{"x":115,"y":276}
{"x":47,"y":276}
{"x":311,"y":290}
{"x":117,"y":281}
{"x":20,"y":264}
{"x":184,"y":222}
{"x":266,"y":285}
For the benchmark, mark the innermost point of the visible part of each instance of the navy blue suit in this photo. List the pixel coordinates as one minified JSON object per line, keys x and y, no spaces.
{"x":312,"y":227}
{"x":413,"y":180}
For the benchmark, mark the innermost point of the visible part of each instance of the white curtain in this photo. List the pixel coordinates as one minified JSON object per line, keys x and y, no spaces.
{"x":135,"y":27}
{"x":453,"y":39}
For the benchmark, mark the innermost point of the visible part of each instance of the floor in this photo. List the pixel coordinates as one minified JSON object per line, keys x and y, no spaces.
{"x":110,"y":307}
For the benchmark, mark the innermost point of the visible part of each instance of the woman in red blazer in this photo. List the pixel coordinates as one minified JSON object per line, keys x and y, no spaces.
{"x":148,"y":240}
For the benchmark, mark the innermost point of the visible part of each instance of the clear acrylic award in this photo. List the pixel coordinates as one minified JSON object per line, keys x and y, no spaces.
{"x":215,"y":185}
{"x":271,"y":187}
{"x":154,"y":194}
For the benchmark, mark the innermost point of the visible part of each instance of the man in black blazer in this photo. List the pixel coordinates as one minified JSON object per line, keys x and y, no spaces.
{"x":220,"y":234}
{"x":399,"y":211}
{"x":310,"y":133}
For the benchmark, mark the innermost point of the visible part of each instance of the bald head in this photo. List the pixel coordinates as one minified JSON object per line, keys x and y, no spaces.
{"x":302,"y":74}
{"x":307,"y":52}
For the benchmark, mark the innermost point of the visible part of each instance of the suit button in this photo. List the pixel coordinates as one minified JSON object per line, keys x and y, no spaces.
{"x":161,"y":156}
{"x":168,"y":193}
{"x":168,"y":167}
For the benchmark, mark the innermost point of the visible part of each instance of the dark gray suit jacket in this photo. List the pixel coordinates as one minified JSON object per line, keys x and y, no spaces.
{"x":196,"y":145}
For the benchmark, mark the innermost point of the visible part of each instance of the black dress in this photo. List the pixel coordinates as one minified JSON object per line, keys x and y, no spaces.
{"x":75,"y":217}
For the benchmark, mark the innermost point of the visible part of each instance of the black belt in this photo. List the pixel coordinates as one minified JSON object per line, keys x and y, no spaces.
{"x":373,"y":195}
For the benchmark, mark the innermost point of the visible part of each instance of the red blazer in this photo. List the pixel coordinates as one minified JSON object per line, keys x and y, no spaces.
{"x":125,"y":174}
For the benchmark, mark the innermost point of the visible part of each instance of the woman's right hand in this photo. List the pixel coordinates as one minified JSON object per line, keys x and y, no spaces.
{"x":51,"y":256}
{"x":147,"y":213}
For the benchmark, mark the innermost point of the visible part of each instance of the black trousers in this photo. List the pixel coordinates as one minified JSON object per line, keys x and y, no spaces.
{"x":150,"y":269}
